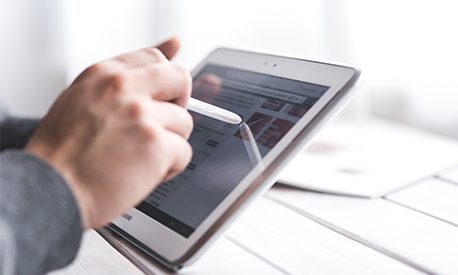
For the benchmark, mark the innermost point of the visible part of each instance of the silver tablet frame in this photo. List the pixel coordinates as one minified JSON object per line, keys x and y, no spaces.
{"x":175,"y":251}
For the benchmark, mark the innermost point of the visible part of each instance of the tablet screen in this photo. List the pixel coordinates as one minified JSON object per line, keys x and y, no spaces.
{"x":223,"y":154}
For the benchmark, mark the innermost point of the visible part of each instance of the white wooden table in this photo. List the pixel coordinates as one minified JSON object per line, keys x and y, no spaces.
{"x":291,"y":231}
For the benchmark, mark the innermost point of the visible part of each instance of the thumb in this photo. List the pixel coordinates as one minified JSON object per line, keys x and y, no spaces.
{"x":169,"y":47}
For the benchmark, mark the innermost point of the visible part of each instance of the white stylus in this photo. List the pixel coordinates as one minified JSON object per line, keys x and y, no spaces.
{"x":212,"y":111}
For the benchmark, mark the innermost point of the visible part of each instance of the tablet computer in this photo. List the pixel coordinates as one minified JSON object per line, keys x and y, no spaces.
{"x":282,"y":102}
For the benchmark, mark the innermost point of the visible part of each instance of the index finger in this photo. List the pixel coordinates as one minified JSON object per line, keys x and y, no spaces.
{"x":160,"y":53}
{"x":166,"y":82}
{"x":169,"y":47}
{"x":140,"y":58}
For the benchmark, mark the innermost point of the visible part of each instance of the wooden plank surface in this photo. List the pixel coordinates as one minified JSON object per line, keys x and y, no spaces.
{"x":416,"y":239}
{"x":450,"y":174}
{"x":434,"y":196}
{"x":297,"y":232}
{"x":224,"y":257}
{"x":96,"y":256}
{"x":299,"y":245}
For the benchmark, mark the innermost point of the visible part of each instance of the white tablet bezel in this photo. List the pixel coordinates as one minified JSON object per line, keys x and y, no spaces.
{"x":173,"y":249}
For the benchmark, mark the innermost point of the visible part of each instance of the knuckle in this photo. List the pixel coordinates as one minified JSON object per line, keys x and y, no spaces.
{"x":118,"y":81}
{"x":154,"y":52}
{"x":149,"y":131}
{"x":95,"y":68}
{"x":183,"y":120}
{"x":135,"y":109}
{"x":121,"y":59}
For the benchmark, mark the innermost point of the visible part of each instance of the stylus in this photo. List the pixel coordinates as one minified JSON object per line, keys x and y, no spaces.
{"x":212,"y":111}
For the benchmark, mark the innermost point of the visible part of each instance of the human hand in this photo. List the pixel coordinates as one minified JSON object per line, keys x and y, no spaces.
{"x":119,"y":130}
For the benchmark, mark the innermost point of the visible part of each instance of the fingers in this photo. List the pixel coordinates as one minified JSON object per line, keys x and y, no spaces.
{"x":172,"y":117}
{"x":144,"y":57}
{"x":178,"y":124}
{"x":166,"y":82}
{"x":175,"y":151}
{"x":180,"y":153}
{"x":141,"y":58}
{"x":150,"y":55}
{"x":170,"y":47}
{"x":148,"y":70}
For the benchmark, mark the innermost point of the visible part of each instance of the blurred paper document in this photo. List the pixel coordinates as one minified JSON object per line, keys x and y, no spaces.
{"x":369,"y":159}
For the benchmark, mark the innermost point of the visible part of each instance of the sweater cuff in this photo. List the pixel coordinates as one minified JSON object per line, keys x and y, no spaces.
{"x":41,"y":210}
{"x":16,"y":132}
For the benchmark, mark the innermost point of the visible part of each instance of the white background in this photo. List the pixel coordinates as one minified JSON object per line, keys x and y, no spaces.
{"x":407,"y":48}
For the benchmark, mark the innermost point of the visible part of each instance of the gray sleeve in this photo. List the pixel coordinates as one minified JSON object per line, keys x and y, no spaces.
{"x":39,"y":216}
{"x":16,"y":132}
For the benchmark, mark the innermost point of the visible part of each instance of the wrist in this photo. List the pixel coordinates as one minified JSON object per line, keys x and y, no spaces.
{"x":82,"y":197}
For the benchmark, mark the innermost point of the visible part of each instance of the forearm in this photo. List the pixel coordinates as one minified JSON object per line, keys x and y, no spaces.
{"x":40,"y":210}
